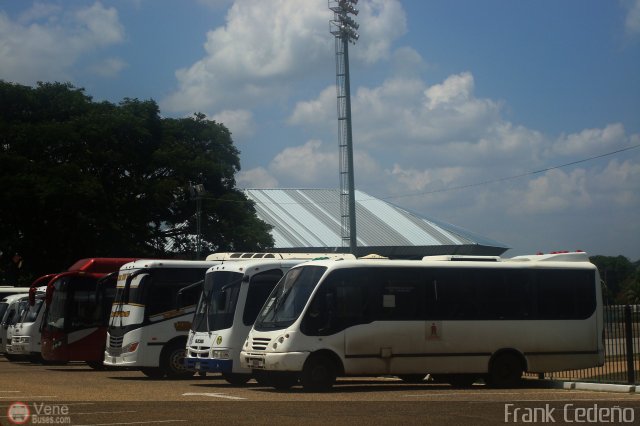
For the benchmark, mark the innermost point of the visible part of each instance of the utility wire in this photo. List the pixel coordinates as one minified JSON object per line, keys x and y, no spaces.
{"x":456,"y":188}
{"x":534,"y":172}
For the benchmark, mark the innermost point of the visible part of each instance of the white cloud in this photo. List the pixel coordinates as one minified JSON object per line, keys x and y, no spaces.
{"x":265,"y":48}
{"x":320,"y":111}
{"x":632,"y":19}
{"x":381,"y":22}
{"x":101,"y":26}
{"x":239,"y":121}
{"x":45,"y":42}
{"x":256,"y":178}
{"x":307,"y":164}
{"x":619,"y":183}
{"x":554,"y":191}
{"x":110,"y":67}
{"x":590,"y":141}
{"x":316,"y":163}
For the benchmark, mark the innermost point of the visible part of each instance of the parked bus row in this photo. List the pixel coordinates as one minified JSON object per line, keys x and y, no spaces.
{"x":287,"y":319}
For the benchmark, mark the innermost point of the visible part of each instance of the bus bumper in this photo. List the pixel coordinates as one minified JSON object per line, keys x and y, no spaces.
{"x":212,"y":365}
{"x":286,"y":361}
{"x":119,"y":361}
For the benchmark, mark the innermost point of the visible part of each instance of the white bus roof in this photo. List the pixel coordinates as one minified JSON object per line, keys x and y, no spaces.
{"x":163,"y":263}
{"x":564,"y":256}
{"x":566,"y":260}
{"x":7,"y":289}
{"x":273,"y":256}
{"x":257,"y":264}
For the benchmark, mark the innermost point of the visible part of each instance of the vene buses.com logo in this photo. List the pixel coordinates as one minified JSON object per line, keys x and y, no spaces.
{"x":18,"y":413}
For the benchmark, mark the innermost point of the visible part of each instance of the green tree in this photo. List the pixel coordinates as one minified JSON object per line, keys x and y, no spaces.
{"x":613,"y":271}
{"x":631,"y":286}
{"x":82,"y":179}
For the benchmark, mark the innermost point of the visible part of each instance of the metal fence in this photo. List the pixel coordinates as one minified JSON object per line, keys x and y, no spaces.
{"x":622,"y":350}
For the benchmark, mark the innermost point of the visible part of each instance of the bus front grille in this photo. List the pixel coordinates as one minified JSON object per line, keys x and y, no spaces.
{"x":115,"y":342}
{"x":198,"y":351}
{"x":260,"y":343}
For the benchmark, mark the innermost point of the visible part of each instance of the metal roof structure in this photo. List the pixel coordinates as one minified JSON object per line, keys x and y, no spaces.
{"x":309,"y":220}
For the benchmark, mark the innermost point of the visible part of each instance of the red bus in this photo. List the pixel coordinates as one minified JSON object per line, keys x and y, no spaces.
{"x":78,"y":304}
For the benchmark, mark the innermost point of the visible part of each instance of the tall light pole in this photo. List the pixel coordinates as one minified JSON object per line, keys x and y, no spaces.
{"x":344,"y":28}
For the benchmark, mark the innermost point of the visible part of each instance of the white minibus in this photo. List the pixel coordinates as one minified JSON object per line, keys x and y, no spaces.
{"x":25,"y":336}
{"x":453,"y":317}
{"x":12,"y":308}
{"x":232,"y":296}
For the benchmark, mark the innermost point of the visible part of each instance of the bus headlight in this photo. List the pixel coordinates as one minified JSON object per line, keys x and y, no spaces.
{"x":220,"y":354}
{"x":131,"y":347}
{"x":280,"y":341}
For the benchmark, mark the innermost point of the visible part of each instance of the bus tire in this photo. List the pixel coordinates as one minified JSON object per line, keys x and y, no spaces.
{"x":282,"y":380}
{"x":505,"y":371}
{"x":172,"y":361}
{"x":318,"y":374}
{"x":236,"y":379}
{"x":152,"y":372}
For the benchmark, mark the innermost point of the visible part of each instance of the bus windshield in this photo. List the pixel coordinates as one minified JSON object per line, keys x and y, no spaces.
{"x":75,"y":305}
{"x":289,"y":297}
{"x":31,"y":314}
{"x":218,"y":301}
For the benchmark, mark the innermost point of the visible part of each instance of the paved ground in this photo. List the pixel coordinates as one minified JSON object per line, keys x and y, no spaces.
{"x":75,"y":394}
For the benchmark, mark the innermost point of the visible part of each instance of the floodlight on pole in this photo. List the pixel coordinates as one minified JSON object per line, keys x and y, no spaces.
{"x":344,"y":28}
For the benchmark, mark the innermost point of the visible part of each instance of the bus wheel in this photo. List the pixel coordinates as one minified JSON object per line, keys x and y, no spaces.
{"x":318,"y":374}
{"x":412,"y":378}
{"x":505,"y":371}
{"x":283,"y":380}
{"x":236,"y":379}
{"x":172,"y":361}
{"x":12,"y":358}
{"x":152,"y":372}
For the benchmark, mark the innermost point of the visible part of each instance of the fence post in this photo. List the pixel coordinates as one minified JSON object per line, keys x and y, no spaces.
{"x":628,"y":331}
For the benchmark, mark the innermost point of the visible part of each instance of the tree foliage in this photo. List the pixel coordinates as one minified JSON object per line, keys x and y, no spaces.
{"x":621,"y":277}
{"x":81,"y":179}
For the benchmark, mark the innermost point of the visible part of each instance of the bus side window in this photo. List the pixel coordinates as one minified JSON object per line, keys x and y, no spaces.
{"x":402,"y":294}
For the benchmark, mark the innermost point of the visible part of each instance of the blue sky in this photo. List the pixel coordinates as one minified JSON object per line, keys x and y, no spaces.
{"x":446,"y":95}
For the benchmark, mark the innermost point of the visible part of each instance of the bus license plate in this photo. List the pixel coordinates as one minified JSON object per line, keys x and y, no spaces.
{"x":257,"y":363}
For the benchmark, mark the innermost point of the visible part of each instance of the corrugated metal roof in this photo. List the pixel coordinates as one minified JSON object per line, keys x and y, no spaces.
{"x":305,"y":219}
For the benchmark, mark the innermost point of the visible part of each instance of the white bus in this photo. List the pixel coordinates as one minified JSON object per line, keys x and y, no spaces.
{"x":11,"y":309}
{"x":152,"y":312}
{"x":148,"y":329}
{"x":232,"y":296}
{"x":25,"y":336}
{"x":455,"y":318}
